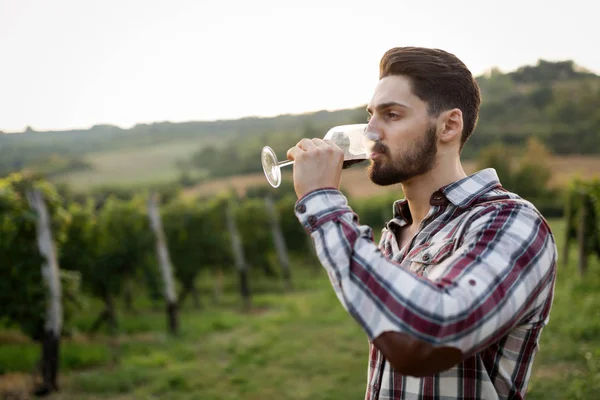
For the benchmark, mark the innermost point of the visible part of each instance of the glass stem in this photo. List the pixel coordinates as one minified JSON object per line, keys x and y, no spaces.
{"x":284,"y":163}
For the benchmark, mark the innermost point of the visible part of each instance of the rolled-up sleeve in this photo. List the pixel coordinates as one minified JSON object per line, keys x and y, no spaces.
{"x":500,"y":272}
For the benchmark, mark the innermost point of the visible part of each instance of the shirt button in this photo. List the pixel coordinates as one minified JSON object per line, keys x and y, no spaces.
{"x":437,"y":199}
{"x":301,"y":208}
{"x":312,"y":220}
{"x":426,"y":257}
{"x":472,"y":282}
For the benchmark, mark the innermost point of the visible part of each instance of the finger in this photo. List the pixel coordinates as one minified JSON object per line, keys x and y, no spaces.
{"x":293,"y":152}
{"x":306,"y":144}
{"x":332,"y":144}
{"x":320,"y":143}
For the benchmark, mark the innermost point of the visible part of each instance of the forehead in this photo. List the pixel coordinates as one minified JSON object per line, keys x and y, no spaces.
{"x":395,"y":88}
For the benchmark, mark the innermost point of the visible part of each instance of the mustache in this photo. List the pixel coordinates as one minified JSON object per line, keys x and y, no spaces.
{"x":379,"y":147}
{"x":375,"y":144}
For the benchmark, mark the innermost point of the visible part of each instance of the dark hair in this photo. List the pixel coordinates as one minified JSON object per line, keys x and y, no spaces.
{"x":438,"y":78}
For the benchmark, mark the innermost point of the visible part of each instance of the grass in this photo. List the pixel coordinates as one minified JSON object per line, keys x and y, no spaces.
{"x":300,"y":345}
{"x":148,"y":164}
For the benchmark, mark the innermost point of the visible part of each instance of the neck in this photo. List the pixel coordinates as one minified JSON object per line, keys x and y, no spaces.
{"x":418,"y":190}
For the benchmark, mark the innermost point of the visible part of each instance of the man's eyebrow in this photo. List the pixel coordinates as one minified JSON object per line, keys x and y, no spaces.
{"x":388,"y":104}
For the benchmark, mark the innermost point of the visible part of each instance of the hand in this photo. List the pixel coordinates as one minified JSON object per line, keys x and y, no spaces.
{"x":317,"y":164}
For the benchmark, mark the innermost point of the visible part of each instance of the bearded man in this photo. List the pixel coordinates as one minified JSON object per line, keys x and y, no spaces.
{"x":454,"y":297}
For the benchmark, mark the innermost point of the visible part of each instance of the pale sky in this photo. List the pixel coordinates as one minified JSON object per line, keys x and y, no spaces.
{"x":75,"y":63}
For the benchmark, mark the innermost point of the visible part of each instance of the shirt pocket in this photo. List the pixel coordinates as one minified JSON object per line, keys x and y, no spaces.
{"x":424,"y":258}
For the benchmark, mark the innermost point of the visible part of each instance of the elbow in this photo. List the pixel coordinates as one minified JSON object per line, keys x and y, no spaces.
{"x":412,"y":357}
{"x":423,"y":367}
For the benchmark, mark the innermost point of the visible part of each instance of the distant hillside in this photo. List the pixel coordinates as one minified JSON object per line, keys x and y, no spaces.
{"x":18,"y":150}
{"x":556,"y":101}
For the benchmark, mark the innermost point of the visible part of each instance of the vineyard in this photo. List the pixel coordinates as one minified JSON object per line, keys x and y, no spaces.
{"x":583,"y":221}
{"x":178,"y":295}
{"x":59,"y":253}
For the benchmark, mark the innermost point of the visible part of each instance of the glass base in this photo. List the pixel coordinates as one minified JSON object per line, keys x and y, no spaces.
{"x":270,"y":166}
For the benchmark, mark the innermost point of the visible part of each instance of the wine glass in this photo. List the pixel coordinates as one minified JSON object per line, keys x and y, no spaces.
{"x":350,"y":138}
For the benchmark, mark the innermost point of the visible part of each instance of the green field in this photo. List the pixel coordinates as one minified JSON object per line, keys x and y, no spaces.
{"x":144,"y":165}
{"x":300,"y":345}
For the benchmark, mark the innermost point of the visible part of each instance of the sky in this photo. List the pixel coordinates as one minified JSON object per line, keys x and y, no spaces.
{"x":72,"y":64}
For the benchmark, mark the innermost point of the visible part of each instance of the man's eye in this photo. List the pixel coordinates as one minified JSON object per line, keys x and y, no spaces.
{"x":393,"y":115}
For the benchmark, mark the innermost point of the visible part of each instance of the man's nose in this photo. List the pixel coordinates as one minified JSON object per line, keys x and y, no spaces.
{"x":372,"y":131}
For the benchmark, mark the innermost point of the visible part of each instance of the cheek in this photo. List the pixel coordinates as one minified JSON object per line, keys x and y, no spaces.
{"x":406,"y":130}
{"x":406,"y":147}
{"x":402,"y":141}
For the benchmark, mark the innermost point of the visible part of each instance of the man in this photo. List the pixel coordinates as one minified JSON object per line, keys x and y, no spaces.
{"x":455,"y":296}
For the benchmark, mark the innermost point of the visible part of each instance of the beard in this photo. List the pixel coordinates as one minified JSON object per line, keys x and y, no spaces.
{"x":418,"y":160}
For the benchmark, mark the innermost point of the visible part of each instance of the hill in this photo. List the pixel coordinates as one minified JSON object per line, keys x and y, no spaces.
{"x":555,"y":101}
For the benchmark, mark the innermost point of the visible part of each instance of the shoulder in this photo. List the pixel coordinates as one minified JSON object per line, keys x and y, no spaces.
{"x":500,"y":202}
{"x":505,"y":215}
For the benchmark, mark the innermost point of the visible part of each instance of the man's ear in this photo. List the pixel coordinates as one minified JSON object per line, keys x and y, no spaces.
{"x":450,"y":125}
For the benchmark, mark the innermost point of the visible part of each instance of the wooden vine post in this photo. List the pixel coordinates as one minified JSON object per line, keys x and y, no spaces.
{"x":279,"y":240}
{"x":54,"y":311}
{"x":238,"y":253}
{"x":166,"y":266}
{"x":582,"y":236}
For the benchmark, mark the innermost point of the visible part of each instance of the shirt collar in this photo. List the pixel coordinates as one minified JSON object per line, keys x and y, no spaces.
{"x":466,"y":191}
{"x":461,"y":193}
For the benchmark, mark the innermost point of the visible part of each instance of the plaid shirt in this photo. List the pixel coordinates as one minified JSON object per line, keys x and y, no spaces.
{"x":479,"y":276}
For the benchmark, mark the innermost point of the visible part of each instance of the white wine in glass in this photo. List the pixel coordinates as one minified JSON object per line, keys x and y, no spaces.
{"x":350,"y":138}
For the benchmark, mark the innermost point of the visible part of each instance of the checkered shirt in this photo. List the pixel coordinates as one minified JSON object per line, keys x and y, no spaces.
{"x":478,"y":276}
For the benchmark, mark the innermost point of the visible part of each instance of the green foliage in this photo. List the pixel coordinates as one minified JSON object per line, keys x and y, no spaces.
{"x":526,"y":173}
{"x":124,"y":240}
{"x":196,"y":237}
{"x":72,"y":299}
{"x":20,"y":265}
{"x":499,"y":157}
{"x":254,"y":226}
{"x":580,"y":194}
{"x":81,"y":252}
{"x":548,"y":71}
{"x":296,"y":238}
{"x":109,"y":247}
{"x":532,"y":175}
{"x":99,"y":195}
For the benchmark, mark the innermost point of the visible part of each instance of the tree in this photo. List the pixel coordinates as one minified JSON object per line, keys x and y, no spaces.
{"x":532,"y":176}
{"x":499,"y":157}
